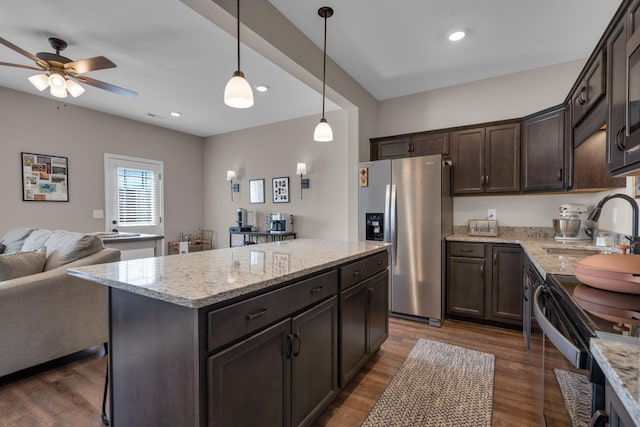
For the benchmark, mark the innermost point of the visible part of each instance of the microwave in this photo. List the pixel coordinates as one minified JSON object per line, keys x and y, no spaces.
{"x":632,"y":112}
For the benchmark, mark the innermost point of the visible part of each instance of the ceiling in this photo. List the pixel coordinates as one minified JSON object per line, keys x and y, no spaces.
{"x":179,"y":61}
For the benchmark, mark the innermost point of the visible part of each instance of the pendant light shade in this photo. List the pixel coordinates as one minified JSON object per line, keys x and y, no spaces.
{"x":238,"y":93}
{"x":323,"y":132}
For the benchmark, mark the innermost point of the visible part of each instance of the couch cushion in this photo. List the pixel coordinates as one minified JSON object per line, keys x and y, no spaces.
{"x":37,"y":239}
{"x":64,"y":247}
{"x":18,"y":264}
{"x":14,"y":239}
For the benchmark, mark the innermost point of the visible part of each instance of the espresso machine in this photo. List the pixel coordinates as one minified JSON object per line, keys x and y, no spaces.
{"x":281,"y":223}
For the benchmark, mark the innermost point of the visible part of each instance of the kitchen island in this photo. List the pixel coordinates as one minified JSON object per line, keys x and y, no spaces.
{"x":258,"y":335}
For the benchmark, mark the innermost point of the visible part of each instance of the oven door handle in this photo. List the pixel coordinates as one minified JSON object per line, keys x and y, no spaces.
{"x":566,"y":347}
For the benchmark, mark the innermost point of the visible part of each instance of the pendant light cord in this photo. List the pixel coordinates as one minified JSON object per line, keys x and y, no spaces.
{"x":238,"y":31}
{"x":324,"y":65}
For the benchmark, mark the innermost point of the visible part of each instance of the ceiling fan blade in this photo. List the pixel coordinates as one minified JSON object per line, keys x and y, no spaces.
{"x":23,"y":52}
{"x":89,"y":64}
{"x":28,"y":67}
{"x":106,"y":86}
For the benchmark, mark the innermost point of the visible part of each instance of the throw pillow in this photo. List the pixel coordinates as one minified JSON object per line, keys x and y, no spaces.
{"x":37,"y":239}
{"x":64,"y":247}
{"x":14,"y":239}
{"x":2,"y":248}
{"x":20,"y":264}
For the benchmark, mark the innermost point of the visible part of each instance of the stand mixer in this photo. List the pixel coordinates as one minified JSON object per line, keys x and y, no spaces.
{"x":570,"y":213}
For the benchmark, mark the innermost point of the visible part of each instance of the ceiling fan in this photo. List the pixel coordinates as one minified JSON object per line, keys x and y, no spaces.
{"x":61,"y":74}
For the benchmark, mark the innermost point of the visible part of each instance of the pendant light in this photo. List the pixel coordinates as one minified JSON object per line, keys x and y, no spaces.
{"x":323,"y":132}
{"x":238,"y":93}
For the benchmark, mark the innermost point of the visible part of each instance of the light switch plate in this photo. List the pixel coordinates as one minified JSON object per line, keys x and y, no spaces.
{"x":98,"y":214}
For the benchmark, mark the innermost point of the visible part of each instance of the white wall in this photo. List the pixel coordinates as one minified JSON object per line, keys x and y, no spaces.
{"x":499,"y":98}
{"x":40,"y":125}
{"x":272,"y":151}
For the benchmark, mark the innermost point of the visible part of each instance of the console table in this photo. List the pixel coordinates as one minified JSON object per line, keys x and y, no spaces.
{"x":174,"y":247}
{"x":261,"y":236}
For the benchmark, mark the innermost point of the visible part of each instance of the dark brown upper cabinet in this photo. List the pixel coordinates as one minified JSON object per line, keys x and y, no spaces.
{"x":616,"y":96}
{"x":543,"y":151}
{"x":591,"y":89}
{"x":486,"y":160}
{"x":420,"y":144}
{"x":625,"y":34}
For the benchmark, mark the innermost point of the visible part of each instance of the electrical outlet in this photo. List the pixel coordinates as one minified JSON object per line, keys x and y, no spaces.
{"x":491,"y":214}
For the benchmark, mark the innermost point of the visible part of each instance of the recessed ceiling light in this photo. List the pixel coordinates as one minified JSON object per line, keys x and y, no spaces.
{"x":456,"y":35}
{"x":176,"y":113}
{"x":262,"y":88}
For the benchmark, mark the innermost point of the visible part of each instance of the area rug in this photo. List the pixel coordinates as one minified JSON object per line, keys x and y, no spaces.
{"x":438,"y":385}
{"x":576,"y":394}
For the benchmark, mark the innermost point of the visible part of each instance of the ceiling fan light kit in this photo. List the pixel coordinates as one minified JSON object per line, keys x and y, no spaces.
{"x":59,"y":73}
{"x":323,"y":131}
{"x":238,"y":93}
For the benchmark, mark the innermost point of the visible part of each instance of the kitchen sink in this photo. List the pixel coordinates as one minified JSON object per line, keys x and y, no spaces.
{"x":571,"y":251}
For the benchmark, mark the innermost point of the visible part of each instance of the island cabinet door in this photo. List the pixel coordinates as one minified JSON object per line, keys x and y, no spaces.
{"x":378,"y":302}
{"x":314,"y":362}
{"x":249,"y":384}
{"x":353,"y":331}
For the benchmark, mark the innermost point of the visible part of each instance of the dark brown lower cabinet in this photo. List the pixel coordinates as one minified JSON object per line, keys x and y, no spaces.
{"x":506,"y":283}
{"x":363,"y":324}
{"x":281,"y":376}
{"x":465,"y":287}
{"x":618,"y":414}
{"x":484,"y":282}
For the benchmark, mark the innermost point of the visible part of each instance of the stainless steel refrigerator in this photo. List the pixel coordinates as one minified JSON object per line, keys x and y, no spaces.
{"x":407,"y":202}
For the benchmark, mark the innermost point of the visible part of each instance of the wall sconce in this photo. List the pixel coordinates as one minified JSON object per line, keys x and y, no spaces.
{"x":235,"y":188}
{"x":301,"y":169}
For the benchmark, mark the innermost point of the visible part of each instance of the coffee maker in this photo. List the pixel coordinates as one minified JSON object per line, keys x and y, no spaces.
{"x":281,"y":223}
{"x":242,"y":220}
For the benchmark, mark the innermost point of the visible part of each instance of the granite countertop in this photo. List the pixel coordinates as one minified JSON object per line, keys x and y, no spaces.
{"x":619,"y":358}
{"x":199,"y":279}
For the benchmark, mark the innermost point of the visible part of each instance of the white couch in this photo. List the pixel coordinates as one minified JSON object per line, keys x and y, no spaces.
{"x":44,"y":312}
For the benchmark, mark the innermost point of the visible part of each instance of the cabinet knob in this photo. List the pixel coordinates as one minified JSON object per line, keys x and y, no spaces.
{"x":316,"y":290}
{"x":582,"y":98}
{"x":466,"y":250}
{"x":357,"y":273}
{"x":482,"y":271}
{"x":560,"y":174}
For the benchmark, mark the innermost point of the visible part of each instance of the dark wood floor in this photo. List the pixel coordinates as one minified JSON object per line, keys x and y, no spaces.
{"x":70,"y":395}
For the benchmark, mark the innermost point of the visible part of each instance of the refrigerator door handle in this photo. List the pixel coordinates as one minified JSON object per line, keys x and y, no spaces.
{"x":387,"y":214}
{"x":394,"y":225}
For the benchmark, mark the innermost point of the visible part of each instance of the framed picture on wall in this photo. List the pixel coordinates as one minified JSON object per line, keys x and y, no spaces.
{"x":45,"y":178}
{"x":256,"y":191}
{"x":280,"y":188}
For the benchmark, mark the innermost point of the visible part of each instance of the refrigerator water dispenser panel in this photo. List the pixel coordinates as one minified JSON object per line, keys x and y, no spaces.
{"x":374,"y":226}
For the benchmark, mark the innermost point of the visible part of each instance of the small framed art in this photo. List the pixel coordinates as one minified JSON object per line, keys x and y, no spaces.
{"x":281,"y":190}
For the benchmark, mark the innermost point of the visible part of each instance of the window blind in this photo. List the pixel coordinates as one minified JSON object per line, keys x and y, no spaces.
{"x":137,"y":195}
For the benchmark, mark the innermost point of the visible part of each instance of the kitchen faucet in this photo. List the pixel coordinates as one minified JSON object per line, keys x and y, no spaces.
{"x":634,"y":239}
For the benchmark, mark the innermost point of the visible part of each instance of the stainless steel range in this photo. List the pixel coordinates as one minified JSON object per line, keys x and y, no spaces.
{"x":564,"y":345}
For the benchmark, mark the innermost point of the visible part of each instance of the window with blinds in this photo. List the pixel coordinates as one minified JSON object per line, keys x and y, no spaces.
{"x":136,"y":197}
